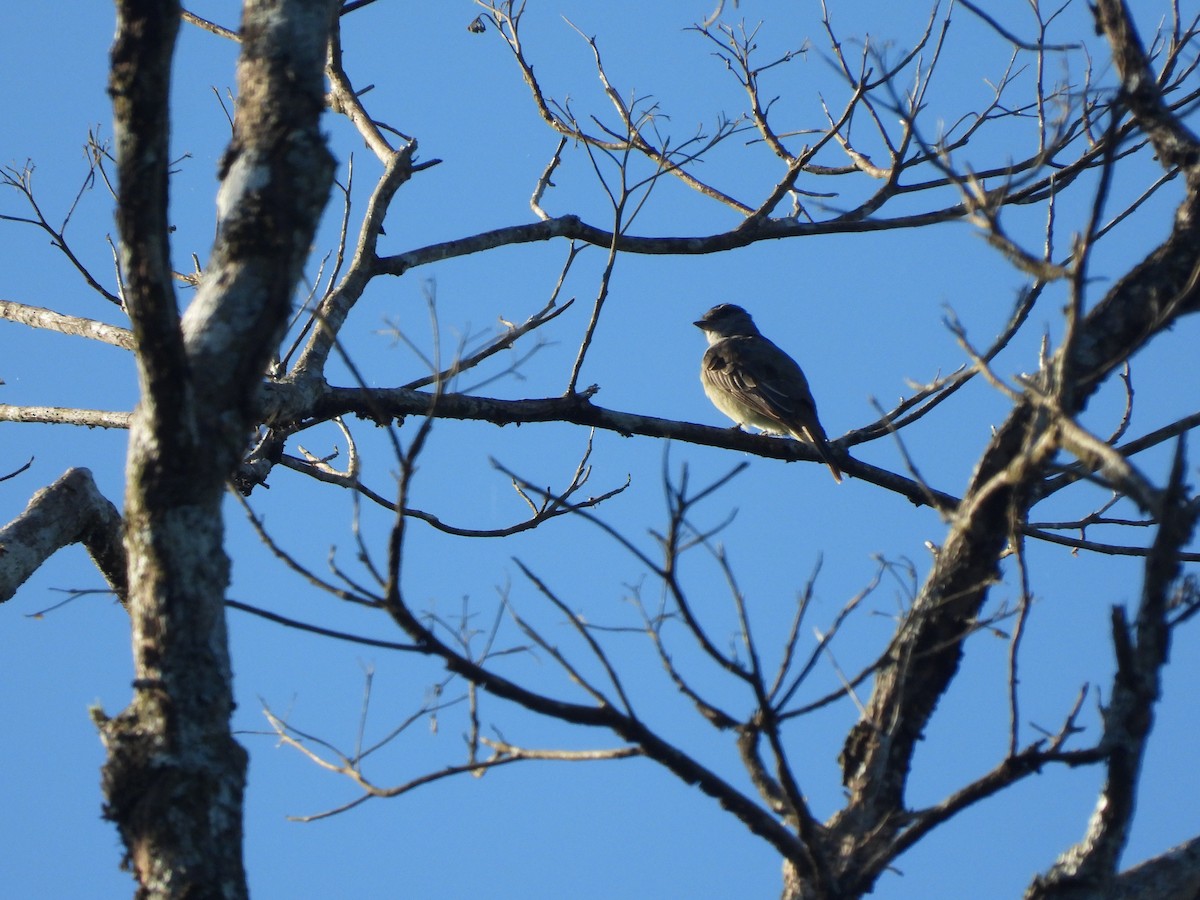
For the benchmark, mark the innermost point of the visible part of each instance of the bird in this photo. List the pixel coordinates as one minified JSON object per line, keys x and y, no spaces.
{"x":753,"y":382}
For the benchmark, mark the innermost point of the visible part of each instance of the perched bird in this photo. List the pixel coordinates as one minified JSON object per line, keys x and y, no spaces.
{"x":755,"y":383}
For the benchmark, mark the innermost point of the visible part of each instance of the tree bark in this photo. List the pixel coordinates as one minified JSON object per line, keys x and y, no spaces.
{"x":70,"y":511}
{"x":174,"y":777}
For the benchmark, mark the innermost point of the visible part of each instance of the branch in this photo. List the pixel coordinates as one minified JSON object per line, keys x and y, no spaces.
{"x":37,"y":317}
{"x":925,"y":657}
{"x":1175,"y":873}
{"x":62,"y":415}
{"x":1174,"y":143}
{"x":1129,"y":718}
{"x":180,"y":814}
{"x":317,"y":629}
{"x":213,"y":27}
{"x":333,"y":309}
{"x":140,"y":85}
{"x":21,"y":180}
{"x":70,"y":511}
{"x":633,"y":731}
{"x":574,"y":228}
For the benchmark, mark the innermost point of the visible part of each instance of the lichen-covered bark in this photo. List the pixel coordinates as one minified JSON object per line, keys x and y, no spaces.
{"x":174,"y":777}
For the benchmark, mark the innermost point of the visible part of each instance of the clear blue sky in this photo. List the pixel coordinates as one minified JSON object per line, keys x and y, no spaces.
{"x":862,"y":313}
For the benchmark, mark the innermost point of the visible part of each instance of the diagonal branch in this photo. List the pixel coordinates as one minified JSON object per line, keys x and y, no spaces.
{"x":70,"y":511}
{"x":1174,"y":143}
{"x":1141,"y":654}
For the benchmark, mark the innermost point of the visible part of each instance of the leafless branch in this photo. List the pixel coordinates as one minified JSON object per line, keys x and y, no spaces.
{"x":71,"y":510}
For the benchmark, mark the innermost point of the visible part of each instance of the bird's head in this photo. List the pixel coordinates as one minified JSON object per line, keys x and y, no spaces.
{"x":726,"y":320}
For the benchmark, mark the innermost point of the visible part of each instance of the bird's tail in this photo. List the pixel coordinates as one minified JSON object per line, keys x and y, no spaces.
{"x":824,"y":451}
{"x":837,"y":473}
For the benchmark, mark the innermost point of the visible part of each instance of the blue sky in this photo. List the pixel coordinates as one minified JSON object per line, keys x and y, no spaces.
{"x":863,"y":313}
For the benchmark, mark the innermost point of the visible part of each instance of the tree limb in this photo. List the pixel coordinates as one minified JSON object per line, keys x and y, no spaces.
{"x":70,"y":511}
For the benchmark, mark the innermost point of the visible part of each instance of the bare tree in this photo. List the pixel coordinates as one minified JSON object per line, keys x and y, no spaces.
{"x":228,"y":387}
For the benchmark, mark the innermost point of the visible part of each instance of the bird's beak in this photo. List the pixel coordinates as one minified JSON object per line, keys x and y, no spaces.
{"x":702,"y":325}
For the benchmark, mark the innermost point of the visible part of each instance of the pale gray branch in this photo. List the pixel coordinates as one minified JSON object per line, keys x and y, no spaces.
{"x":70,"y":511}
{"x":48,"y":319}
{"x":63,"y":415}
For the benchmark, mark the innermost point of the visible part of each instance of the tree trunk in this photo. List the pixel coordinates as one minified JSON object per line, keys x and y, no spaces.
{"x":175,"y":777}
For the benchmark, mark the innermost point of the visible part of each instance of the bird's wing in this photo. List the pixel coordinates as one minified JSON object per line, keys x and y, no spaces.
{"x":772,"y":384}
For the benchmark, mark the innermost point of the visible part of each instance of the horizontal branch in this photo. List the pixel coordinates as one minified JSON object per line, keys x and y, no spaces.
{"x":287,"y":407}
{"x":49,"y":320}
{"x":574,"y":228}
{"x":64,"y":415}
